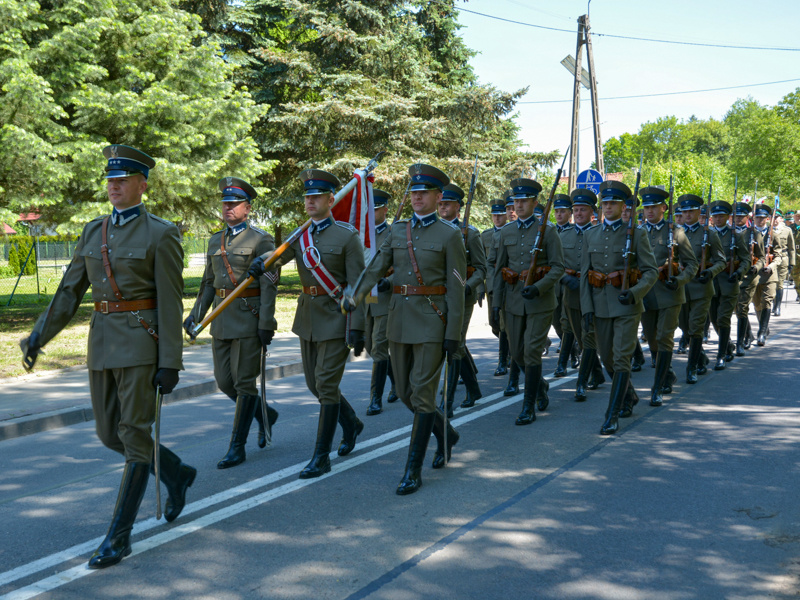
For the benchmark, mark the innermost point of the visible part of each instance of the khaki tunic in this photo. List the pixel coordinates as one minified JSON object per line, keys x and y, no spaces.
{"x":415,"y":331}
{"x":476,"y":258}
{"x":662,"y":306}
{"x":747,"y":288}
{"x":377,"y":344}
{"x":573,"y":243}
{"x":768,"y":282}
{"x":796,"y":263}
{"x":237,"y":350}
{"x":147,"y":262}
{"x":491,"y":239}
{"x":698,"y":295}
{"x":726,"y":293}
{"x":616,"y":325}
{"x":527,"y":321}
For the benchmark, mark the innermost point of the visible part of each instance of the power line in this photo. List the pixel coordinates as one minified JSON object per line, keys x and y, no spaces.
{"x":732,"y":87}
{"x":638,"y":39}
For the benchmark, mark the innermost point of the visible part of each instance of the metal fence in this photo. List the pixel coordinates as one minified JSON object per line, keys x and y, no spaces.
{"x":51,"y":260}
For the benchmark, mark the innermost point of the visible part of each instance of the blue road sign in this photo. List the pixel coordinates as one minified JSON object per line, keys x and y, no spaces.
{"x":590,"y":179}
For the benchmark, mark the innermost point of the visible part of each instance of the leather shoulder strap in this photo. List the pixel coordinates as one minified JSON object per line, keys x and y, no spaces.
{"x":107,"y":262}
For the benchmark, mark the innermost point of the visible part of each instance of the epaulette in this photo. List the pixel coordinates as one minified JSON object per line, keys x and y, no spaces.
{"x":449,"y":224}
{"x":159,"y":219}
{"x":401,"y":220}
{"x":258,"y":230}
{"x":508,"y":223}
{"x":346,"y":225}
{"x":474,"y":228}
{"x":640,"y":227}
{"x":100,"y":218}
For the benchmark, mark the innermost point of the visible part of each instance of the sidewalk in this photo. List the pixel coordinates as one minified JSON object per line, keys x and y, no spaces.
{"x":51,"y":399}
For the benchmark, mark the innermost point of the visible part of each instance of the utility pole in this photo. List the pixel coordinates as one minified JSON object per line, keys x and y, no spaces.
{"x":584,"y":39}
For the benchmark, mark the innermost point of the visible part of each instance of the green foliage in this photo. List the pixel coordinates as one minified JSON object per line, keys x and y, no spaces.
{"x":13,"y":260}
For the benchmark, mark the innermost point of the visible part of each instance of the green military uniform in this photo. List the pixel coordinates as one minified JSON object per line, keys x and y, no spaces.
{"x":700,"y":290}
{"x":774,"y":246}
{"x":784,"y":234}
{"x":747,"y":288}
{"x":528,"y":320}
{"x":236,"y":344}
{"x":616,"y":324}
{"x":662,"y":304}
{"x":573,"y":243}
{"x":491,"y":239}
{"x":135,"y":339}
{"x":727,"y":283}
{"x":426,"y":311}
{"x":795,"y":229}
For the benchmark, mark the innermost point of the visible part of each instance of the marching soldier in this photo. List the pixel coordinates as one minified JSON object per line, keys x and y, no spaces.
{"x":787,"y":242}
{"x":699,"y":290}
{"x":512,"y":388}
{"x":329,"y":256}
{"x":678,"y":216}
{"x":377,"y":344}
{"x":430,"y":267}
{"x":795,"y":228}
{"x":562,"y":210}
{"x":614,"y":311}
{"x":511,"y":213}
{"x":240,"y":336}
{"x":775,"y":256}
{"x":747,"y":288}
{"x":662,"y":304}
{"x":637,"y":362}
{"x":573,"y":243}
{"x":489,"y":238}
{"x":726,"y":284}
{"x":528,"y":309}
{"x":449,"y":208}
{"x":133,"y":261}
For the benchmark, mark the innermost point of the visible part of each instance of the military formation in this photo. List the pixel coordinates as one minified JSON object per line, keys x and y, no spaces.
{"x":596,"y":275}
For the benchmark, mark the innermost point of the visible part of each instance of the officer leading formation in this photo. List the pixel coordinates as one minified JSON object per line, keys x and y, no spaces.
{"x":596,"y":279}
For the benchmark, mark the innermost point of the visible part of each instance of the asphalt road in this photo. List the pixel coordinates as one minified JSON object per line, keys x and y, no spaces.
{"x":697,"y":499}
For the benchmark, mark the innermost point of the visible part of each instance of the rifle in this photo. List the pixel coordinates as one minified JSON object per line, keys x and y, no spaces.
{"x":472,"y":185}
{"x":733,"y":228}
{"x":770,"y":234}
{"x":706,"y":243}
{"x":626,"y":254}
{"x":402,"y":203}
{"x":671,"y":221}
{"x":753,"y":228}
{"x":537,"y":244}
{"x":268,"y":262}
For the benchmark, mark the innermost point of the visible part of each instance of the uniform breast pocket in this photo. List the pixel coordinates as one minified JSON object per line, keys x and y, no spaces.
{"x":568,"y":244}
{"x":432,"y":246}
{"x":241,"y":255}
{"x":510,"y":240}
{"x":93,"y":260}
{"x":129,"y":261}
{"x":329,"y":250}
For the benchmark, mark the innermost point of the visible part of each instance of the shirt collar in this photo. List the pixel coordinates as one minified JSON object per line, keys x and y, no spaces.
{"x":322,"y":225}
{"x":613,"y":225}
{"x":763,"y":230}
{"x":691,"y":228}
{"x":527,"y":222}
{"x":583,"y":228}
{"x":424,"y":220}
{"x":381,"y":228}
{"x":237,"y":229}
{"x":657,"y":226}
{"x":723,"y":229}
{"x":564,"y":227}
{"x":120,"y":217}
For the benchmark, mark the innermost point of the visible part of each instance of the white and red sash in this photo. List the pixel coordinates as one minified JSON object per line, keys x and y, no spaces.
{"x":313,"y":261}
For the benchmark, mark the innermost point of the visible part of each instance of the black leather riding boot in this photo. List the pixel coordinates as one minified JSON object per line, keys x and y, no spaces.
{"x":380,"y":369}
{"x":663,"y":362}
{"x":587,"y":363}
{"x":563,"y":357}
{"x":321,"y":461}
{"x":776,"y":304}
{"x":512,"y":389}
{"x":763,"y":327}
{"x":575,"y":355}
{"x":438,"y":433}
{"x":695,"y":348}
{"x":630,"y":400}
{"x":242,"y":419}
{"x":722,"y":348}
{"x":619,"y":387}
{"x":502,"y":356}
{"x":177,"y":477}
{"x":533,"y":379}
{"x":749,"y":337}
{"x":272,"y":416}
{"x":392,"y":397}
{"x":741,"y":334}
{"x":117,"y":543}
{"x":596,"y":377}
{"x":352,"y":427}
{"x":420,"y":435}
{"x":471,"y":384}
{"x":453,"y":375}
{"x":682,"y":344}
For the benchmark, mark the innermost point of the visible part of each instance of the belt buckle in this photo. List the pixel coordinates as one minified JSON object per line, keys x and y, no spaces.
{"x":104,"y":307}
{"x":404,"y":290}
{"x":313,"y":290}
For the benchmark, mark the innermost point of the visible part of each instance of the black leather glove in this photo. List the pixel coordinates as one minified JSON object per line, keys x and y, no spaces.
{"x":31,"y":348}
{"x":467,"y":290}
{"x":588,"y":320}
{"x":735,"y":276}
{"x":450,"y":348}
{"x":188,"y":326}
{"x":671,"y":283}
{"x":356,"y":340}
{"x":256,"y":269}
{"x":167,"y":379}
{"x":529,"y":292}
{"x":571,"y":282}
{"x":347,"y":304}
{"x":627,"y":298}
{"x":384,"y":285}
{"x":265,"y":335}
{"x":481,"y":296}
{"x":704,"y":276}
{"x":495,"y":317}
{"x":767,"y":270}
{"x":753,"y":270}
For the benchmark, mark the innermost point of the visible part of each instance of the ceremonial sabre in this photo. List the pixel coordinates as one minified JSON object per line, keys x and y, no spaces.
{"x":157,"y":451}
{"x":269,"y":261}
{"x":267,"y":427}
{"x":444,"y":405}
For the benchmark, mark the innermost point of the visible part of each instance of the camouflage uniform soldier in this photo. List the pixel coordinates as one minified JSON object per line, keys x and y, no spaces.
{"x":377,"y":344}
{"x":329,"y":256}
{"x":241,"y":333}
{"x":425,"y":313}
{"x":133,"y":261}
{"x":747,"y":288}
{"x":726,"y":284}
{"x":528,"y":309}
{"x":449,"y":208}
{"x":663,"y":302}
{"x":489,"y":238}
{"x":615,"y":313}
{"x":700,"y":290}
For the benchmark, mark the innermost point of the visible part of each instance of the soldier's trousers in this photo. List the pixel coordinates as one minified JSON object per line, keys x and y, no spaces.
{"x":764,"y":296}
{"x":323,"y":367}
{"x":693,"y":316}
{"x":722,"y":308}
{"x":376,"y":342}
{"x":796,"y":275}
{"x":747,"y":291}
{"x":469,"y":306}
{"x":659,"y":327}
{"x":617,"y":339}
{"x":123,"y":401}
{"x":783,"y":273}
{"x":417,"y":368}
{"x":584,"y":335}
{"x":558,"y":314}
{"x":489,"y":297}
{"x":527,"y":336}
{"x":236,"y":365}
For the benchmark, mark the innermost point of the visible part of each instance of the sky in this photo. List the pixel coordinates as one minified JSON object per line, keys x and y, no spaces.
{"x":512,"y":56}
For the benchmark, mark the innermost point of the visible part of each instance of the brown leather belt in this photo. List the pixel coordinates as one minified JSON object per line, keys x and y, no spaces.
{"x":314,"y":291}
{"x":663,"y":271}
{"x":470,"y":271}
{"x":572,"y":272}
{"x":736,"y":265}
{"x":116,"y":306}
{"x":599,"y":280}
{"x":248,"y":293}
{"x":420,"y":290}
{"x":512,"y":277}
